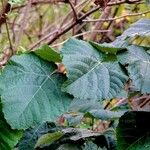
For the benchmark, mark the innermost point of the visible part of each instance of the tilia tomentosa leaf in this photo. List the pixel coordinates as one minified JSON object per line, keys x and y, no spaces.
{"x":31,"y":91}
{"x":138,"y":61}
{"x":89,"y":76}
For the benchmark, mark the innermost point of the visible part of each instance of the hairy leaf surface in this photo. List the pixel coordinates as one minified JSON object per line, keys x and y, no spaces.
{"x":31,"y":92}
{"x":88,"y":76}
{"x":139,"y":67}
{"x":139,"y":28}
{"x":134,"y":53}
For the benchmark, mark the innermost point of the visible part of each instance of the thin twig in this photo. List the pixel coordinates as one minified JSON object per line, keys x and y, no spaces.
{"x":98,"y":26}
{"x":95,"y":31}
{"x":116,"y":18}
{"x":61,"y":31}
{"x":77,"y":35}
{"x":83,"y":17}
{"x":73,"y":9}
{"x":7,"y":30}
{"x":23,"y":22}
{"x":5,"y":9}
{"x":36,"y":2}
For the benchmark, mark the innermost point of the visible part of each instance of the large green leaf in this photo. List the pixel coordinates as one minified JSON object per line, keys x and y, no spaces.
{"x":31,"y":91}
{"x":47,"y":53}
{"x":133,"y":132}
{"x":139,"y":67}
{"x":8,"y":137}
{"x":88,"y":76}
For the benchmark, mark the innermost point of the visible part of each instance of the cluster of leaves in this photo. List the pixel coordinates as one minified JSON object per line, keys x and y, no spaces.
{"x":34,"y":91}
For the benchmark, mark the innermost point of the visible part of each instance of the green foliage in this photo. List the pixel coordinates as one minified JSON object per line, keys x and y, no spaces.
{"x":82,"y":105}
{"x":68,"y":147}
{"x":8,"y":137}
{"x":47,"y":53}
{"x":133,"y":54}
{"x":54,"y":137}
{"x":89,"y":76}
{"x":140,"y":28}
{"x":105,"y":114}
{"x":148,"y":1}
{"x":31,"y":136}
{"x":139,"y":67}
{"x":140,"y":74}
{"x":48,"y":138}
{"x":94,"y":109}
{"x":32,"y":88}
{"x":111,"y":48}
{"x":91,"y":146}
{"x":32,"y":92}
{"x":133,"y":132}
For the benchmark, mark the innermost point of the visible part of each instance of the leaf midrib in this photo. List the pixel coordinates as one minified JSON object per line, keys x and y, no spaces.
{"x":97,"y":64}
{"x":30,"y":100}
{"x":40,"y":87}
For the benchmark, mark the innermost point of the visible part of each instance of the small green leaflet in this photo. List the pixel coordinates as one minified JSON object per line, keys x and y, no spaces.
{"x":111,"y":48}
{"x":49,"y":138}
{"x":31,"y":91}
{"x":47,"y":53}
{"x":89,"y":77}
